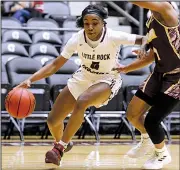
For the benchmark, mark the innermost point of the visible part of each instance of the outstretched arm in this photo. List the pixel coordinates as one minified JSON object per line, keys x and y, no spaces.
{"x":49,"y":69}
{"x":137,"y":64}
{"x":53,"y":67}
{"x":165,"y":9}
{"x":160,"y":7}
{"x":44,"y":72}
{"x":124,"y":38}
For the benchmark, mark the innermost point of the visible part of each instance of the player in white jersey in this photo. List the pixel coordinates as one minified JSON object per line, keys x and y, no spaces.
{"x":94,"y":84}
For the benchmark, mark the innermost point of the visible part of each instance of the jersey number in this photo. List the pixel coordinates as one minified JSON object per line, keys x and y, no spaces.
{"x":95,"y":65}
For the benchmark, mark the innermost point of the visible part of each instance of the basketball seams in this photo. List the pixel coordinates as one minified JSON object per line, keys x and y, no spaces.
{"x":29,"y":103}
{"x":19,"y":101}
{"x":34,"y":103}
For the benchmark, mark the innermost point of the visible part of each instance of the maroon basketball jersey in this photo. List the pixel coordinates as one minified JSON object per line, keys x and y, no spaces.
{"x":165,"y":42}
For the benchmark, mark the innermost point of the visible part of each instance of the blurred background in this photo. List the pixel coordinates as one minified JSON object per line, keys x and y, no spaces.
{"x":34,"y":33}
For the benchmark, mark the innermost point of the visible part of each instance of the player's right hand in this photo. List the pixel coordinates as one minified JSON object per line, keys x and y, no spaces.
{"x":24,"y":84}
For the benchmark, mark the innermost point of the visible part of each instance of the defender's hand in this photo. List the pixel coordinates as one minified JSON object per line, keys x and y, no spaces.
{"x":141,"y":53}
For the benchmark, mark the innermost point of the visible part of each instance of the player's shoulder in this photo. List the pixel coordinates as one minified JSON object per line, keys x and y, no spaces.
{"x":114,"y":33}
{"x":78,"y":34}
{"x":110,"y":33}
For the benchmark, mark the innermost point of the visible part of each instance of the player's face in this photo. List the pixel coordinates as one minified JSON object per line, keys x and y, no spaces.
{"x":93,"y":26}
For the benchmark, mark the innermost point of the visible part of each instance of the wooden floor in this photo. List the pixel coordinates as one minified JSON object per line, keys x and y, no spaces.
{"x":82,"y":157}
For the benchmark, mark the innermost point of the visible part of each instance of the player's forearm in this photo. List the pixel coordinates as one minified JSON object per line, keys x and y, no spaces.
{"x":160,"y":7}
{"x":139,"y":3}
{"x":48,"y":70}
{"x":44,"y":72}
{"x":139,"y":63}
{"x":143,"y":4}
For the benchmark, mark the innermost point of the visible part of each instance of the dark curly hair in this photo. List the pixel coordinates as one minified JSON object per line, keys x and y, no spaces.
{"x":95,"y":9}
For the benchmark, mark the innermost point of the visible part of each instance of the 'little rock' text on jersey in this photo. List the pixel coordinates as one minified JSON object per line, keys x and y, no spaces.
{"x":96,"y":57}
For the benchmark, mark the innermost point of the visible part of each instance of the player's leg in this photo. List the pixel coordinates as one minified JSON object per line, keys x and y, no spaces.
{"x":164,"y":105}
{"x":63,"y":105}
{"x":96,"y":94}
{"x":142,"y":101}
{"x":93,"y":96}
{"x":136,"y":113}
{"x":137,"y":108}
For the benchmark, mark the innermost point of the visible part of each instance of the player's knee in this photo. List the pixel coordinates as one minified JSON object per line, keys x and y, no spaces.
{"x":130,"y":115}
{"x":152,"y":119}
{"x":147,"y":123}
{"x":150,"y":122}
{"x":82,"y":103}
{"x":50,"y":121}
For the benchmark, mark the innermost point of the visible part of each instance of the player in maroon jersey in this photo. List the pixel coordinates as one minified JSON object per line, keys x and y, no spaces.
{"x":160,"y":93}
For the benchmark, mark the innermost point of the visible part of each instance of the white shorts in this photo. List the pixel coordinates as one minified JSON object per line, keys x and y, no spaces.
{"x":81,"y":81}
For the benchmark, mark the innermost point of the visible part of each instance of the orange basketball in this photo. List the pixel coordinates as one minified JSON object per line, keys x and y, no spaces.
{"x":20,"y":103}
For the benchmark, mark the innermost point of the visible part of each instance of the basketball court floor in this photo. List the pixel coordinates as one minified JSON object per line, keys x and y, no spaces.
{"x":85,"y":155}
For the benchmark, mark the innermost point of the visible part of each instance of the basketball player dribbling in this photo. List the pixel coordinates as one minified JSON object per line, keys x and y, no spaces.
{"x":94,"y":84}
{"x":160,"y":93}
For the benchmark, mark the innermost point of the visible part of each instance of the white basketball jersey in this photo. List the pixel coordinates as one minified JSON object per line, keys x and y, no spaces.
{"x":101,"y":59}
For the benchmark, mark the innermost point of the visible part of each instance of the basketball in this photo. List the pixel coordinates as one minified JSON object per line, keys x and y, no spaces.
{"x":20,"y":103}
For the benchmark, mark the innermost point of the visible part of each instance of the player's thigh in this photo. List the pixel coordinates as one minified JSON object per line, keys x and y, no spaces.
{"x":136,"y":108}
{"x":63,"y":105}
{"x":96,"y":94}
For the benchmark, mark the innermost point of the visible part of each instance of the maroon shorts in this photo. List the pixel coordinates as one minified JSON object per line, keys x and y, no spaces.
{"x":160,"y":82}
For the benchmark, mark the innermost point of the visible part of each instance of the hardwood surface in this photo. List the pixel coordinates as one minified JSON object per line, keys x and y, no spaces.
{"x":81,"y":157}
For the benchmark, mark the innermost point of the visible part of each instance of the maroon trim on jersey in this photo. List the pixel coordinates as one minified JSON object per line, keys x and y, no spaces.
{"x":105,"y":30}
{"x":104,"y":34}
{"x":85,"y":37}
{"x":166,"y":38}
